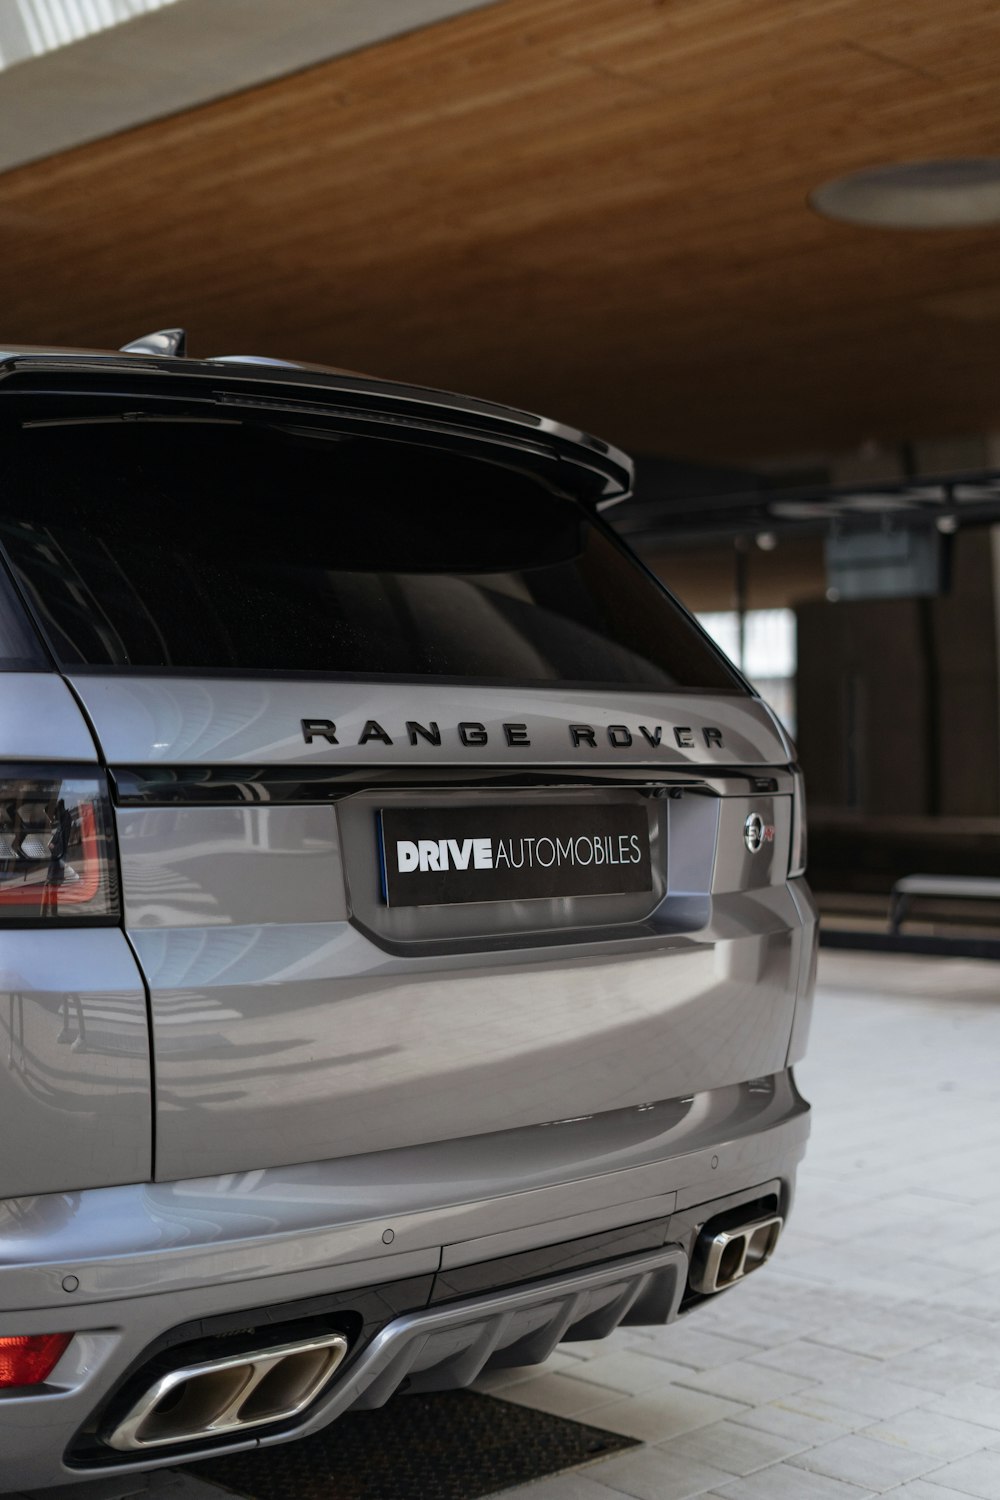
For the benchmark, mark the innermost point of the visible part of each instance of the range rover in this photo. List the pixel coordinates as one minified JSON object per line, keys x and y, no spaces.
{"x":404,"y":946}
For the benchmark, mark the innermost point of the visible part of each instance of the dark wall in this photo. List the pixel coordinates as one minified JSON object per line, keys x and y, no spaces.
{"x":897,"y":700}
{"x":965,"y":632}
{"x":706,"y":577}
{"x":861,"y":700}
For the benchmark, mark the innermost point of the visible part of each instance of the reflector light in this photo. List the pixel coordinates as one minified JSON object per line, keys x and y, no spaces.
{"x":57,"y":856}
{"x":797,"y":853}
{"x":30,"y":1358}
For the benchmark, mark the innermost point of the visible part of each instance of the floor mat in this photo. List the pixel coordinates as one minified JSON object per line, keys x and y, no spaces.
{"x":456,"y":1445}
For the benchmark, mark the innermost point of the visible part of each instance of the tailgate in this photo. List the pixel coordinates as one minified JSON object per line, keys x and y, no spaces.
{"x":300,"y":1012}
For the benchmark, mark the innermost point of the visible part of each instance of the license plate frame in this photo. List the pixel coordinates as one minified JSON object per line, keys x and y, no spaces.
{"x":464,"y":856}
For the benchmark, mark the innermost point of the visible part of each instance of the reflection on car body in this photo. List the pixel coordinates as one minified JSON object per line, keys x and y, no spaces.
{"x":402,"y":925}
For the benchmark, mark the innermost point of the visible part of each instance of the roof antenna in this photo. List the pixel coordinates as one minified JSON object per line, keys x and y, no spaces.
{"x":166,"y":341}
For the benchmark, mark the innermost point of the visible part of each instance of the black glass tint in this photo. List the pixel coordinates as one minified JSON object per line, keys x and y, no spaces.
{"x":230,"y":546}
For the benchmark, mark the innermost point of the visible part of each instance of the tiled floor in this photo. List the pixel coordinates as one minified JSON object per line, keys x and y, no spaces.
{"x":866,"y":1359}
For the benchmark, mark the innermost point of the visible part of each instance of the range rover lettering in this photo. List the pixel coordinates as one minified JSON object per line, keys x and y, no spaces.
{"x":404,"y":945}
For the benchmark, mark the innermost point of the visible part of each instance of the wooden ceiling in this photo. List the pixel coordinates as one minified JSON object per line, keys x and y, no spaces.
{"x":592,"y":208}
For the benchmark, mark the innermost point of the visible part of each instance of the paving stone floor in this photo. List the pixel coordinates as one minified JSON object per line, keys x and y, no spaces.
{"x":866,"y":1359}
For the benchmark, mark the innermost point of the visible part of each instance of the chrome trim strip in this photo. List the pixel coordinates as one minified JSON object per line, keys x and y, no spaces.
{"x":225,"y":786}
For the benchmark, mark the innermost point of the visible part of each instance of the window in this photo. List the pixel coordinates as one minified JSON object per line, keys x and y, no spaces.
{"x":249,"y":548}
{"x":766,"y":654}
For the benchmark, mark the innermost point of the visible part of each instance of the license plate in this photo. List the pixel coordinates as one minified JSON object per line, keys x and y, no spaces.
{"x":452,"y":856}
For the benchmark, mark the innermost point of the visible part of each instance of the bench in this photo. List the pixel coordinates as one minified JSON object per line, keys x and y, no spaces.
{"x":956,"y":887}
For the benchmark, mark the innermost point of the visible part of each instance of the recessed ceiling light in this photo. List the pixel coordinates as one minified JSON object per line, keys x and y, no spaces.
{"x":961,"y":193}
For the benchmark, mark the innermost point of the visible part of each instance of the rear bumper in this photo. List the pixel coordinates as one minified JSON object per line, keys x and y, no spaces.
{"x":149,"y":1257}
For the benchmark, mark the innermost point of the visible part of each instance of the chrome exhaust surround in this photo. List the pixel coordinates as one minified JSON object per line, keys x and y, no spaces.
{"x":724,"y":1258}
{"x":224,"y":1396}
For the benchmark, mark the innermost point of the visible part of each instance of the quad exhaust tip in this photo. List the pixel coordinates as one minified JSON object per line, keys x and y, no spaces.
{"x":723,"y":1258}
{"x":223,"y":1396}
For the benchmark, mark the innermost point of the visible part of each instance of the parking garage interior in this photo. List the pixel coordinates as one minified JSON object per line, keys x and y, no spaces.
{"x":629,"y":215}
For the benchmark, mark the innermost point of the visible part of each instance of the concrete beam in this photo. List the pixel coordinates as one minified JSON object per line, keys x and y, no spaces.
{"x":184,"y":55}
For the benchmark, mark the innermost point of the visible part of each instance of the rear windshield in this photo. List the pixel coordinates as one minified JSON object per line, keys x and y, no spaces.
{"x":232,"y":547}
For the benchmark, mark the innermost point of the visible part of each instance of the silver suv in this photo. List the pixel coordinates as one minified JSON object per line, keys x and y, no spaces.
{"x":403,"y":941}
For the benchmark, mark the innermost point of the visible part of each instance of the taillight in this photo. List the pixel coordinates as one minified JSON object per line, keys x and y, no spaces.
{"x":797,"y":856}
{"x":57,"y":853}
{"x":30,"y":1358}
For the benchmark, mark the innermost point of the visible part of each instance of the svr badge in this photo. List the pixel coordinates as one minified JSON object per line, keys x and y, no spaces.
{"x":756,"y":832}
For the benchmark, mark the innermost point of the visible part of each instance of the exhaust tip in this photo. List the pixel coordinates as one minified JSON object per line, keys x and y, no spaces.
{"x":222,"y":1396}
{"x":722,"y":1258}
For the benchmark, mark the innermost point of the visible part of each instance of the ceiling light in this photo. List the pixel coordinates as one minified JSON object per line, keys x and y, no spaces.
{"x":961,"y":193}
